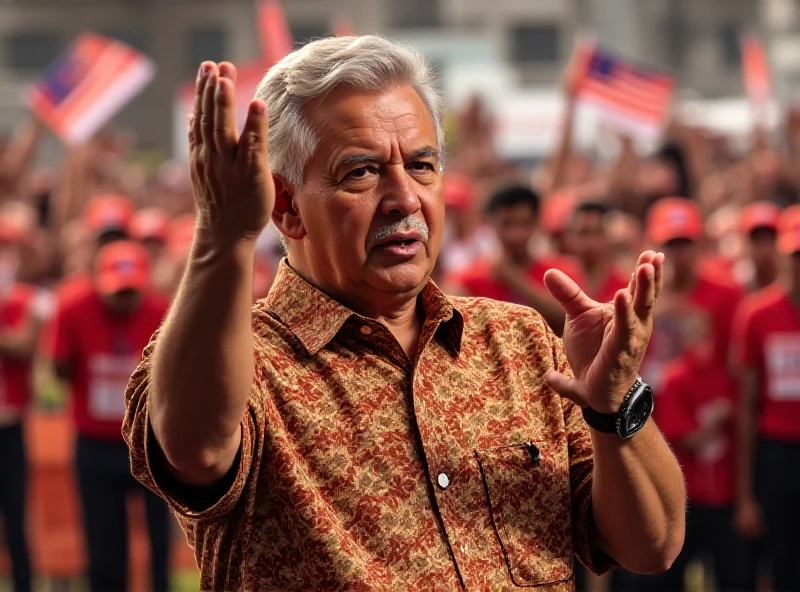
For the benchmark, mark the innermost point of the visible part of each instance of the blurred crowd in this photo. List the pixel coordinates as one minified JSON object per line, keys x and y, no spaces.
{"x":90,"y":254}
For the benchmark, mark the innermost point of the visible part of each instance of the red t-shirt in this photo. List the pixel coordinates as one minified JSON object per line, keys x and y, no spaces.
{"x":479,"y":280}
{"x":615,"y":282}
{"x":15,"y":375}
{"x":767,"y":339}
{"x":69,"y":290}
{"x":103,"y":351}
{"x":714,"y":303}
{"x":689,"y":389}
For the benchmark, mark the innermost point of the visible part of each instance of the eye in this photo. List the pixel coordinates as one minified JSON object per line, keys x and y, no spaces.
{"x":420,"y":166}
{"x":360,"y":173}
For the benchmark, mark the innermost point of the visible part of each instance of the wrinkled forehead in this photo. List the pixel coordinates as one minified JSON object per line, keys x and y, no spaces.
{"x":380,"y":118}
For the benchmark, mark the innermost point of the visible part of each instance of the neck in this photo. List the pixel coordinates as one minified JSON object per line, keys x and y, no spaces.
{"x":764,"y":276}
{"x":683,"y":283}
{"x":521,"y":259}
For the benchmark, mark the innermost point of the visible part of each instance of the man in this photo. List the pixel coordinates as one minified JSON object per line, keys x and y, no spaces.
{"x":767,"y":349}
{"x":675,"y":225}
{"x":98,"y":342}
{"x":149,"y":226}
{"x":696,"y":414}
{"x":517,"y":276}
{"x":20,"y":320}
{"x":358,"y":429}
{"x":588,"y":242}
{"x":759,"y":225}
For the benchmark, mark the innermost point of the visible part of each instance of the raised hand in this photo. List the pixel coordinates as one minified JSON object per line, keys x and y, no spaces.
{"x":605,"y":342}
{"x":231,"y":179}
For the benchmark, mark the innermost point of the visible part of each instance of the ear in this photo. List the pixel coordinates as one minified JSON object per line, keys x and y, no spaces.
{"x":285,"y":214}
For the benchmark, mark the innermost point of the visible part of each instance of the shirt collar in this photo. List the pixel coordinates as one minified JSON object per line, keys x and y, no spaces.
{"x":315,"y":318}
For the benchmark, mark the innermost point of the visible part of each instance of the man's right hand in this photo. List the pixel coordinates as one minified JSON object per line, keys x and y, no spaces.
{"x":231,"y":179}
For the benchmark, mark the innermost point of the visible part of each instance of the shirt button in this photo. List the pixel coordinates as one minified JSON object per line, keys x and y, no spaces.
{"x":366,"y":330}
{"x":443,"y":480}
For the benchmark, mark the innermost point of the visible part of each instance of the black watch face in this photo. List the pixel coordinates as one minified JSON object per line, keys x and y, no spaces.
{"x":639,"y":410}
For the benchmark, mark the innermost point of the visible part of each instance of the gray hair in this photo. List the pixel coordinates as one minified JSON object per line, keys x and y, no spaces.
{"x":367,"y":63}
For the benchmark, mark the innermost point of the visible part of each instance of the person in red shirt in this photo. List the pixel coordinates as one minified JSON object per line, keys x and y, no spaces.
{"x":759,"y":225}
{"x":675,"y":226}
{"x":517,"y":275}
{"x":767,"y":348}
{"x":588,"y":241}
{"x":99,"y":340}
{"x":20,"y":320}
{"x":695,"y":412}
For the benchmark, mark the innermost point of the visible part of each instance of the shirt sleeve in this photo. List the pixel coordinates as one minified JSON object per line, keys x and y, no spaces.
{"x":148,"y":465}
{"x":585,"y":537}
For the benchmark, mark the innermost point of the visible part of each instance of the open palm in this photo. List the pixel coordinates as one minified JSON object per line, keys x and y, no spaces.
{"x":605,"y":342}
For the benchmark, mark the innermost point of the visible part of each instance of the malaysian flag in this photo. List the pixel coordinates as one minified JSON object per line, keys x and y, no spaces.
{"x":755,"y":69}
{"x":630,"y":96}
{"x":87,"y":85}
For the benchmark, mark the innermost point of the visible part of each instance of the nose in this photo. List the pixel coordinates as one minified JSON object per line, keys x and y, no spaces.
{"x":397,"y":193}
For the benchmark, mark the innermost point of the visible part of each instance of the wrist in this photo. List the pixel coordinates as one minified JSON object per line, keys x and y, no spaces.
{"x":209,"y":247}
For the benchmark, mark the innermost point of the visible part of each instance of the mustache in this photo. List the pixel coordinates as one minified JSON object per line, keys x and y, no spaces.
{"x":405,"y":225}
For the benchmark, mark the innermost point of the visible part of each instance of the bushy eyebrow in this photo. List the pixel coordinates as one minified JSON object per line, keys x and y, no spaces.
{"x":360,"y":159}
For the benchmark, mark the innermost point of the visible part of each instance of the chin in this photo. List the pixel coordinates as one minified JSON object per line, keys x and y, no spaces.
{"x":408,"y":277}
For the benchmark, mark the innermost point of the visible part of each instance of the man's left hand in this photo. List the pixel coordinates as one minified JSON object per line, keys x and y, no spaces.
{"x":605,"y":342}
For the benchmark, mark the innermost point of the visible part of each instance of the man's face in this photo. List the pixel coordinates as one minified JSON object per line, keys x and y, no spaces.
{"x":123,"y":303}
{"x":764,"y":247}
{"x":681,"y":254}
{"x":588,"y":237}
{"x":371,"y":205}
{"x":514,"y":226}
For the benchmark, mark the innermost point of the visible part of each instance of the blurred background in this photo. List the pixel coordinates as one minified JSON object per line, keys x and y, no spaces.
{"x":579,"y":132}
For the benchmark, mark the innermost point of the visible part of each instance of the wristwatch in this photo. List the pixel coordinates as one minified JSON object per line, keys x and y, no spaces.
{"x":636,"y":407}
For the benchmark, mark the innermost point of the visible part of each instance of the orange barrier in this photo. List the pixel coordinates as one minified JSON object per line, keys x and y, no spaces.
{"x":54,"y":520}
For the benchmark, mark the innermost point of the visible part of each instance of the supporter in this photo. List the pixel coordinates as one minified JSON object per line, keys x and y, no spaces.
{"x":675,"y":226}
{"x":98,"y":343}
{"x":695,"y":412}
{"x":20,"y":320}
{"x":466,"y":238}
{"x":759,"y":225}
{"x":149,"y":226}
{"x":588,"y":241}
{"x":767,"y":349}
{"x":517,"y":275}
{"x":557,"y":210}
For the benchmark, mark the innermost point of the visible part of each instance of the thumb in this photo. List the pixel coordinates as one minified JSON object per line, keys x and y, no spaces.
{"x":569,"y":388}
{"x":563,"y":288}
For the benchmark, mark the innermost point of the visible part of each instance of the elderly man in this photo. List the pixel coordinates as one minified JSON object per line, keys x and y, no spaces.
{"x":357,"y":428}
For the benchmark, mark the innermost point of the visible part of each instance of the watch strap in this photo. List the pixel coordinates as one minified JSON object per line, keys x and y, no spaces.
{"x":609,"y":423}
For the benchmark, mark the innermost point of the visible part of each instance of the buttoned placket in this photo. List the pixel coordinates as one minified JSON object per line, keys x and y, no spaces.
{"x":441,"y":477}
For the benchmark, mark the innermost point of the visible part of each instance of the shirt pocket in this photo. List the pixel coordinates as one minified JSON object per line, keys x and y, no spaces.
{"x":528,"y":489}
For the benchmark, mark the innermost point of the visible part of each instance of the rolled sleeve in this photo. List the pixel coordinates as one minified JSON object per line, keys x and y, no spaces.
{"x":148,"y":464}
{"x":585,"y":536}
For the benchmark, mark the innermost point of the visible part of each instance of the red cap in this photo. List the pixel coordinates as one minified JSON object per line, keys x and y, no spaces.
{"x":557,"y":209}
{"x":759,"y":214}
{"x":181,"y":233}
{"x":149,"y":223}
{"x":122,"y":265}
{"x":108,"y":212}
{"x":459,"y":191}
{"x":11,"y":233}
{"x":789,"y":230}
{"x":673,"y":218}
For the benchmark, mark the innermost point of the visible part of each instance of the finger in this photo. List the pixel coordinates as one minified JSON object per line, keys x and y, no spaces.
{"x":569,"y":388}
{"x":192,"y":137}
{"x":199,"y":92}
{"x":228,"y":70}
{"x":207,"y":115}
{"x":645,"y":298}
{"x":658,"y":266}
{"x":645,"y":257}
{"x":226,"y":136}
{"x":572,"y":299}
{"x":624,"y":320}
{"x":252,"y":153}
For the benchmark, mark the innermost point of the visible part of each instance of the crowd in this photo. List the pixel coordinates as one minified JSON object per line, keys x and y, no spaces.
{"x":90,"y":255}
